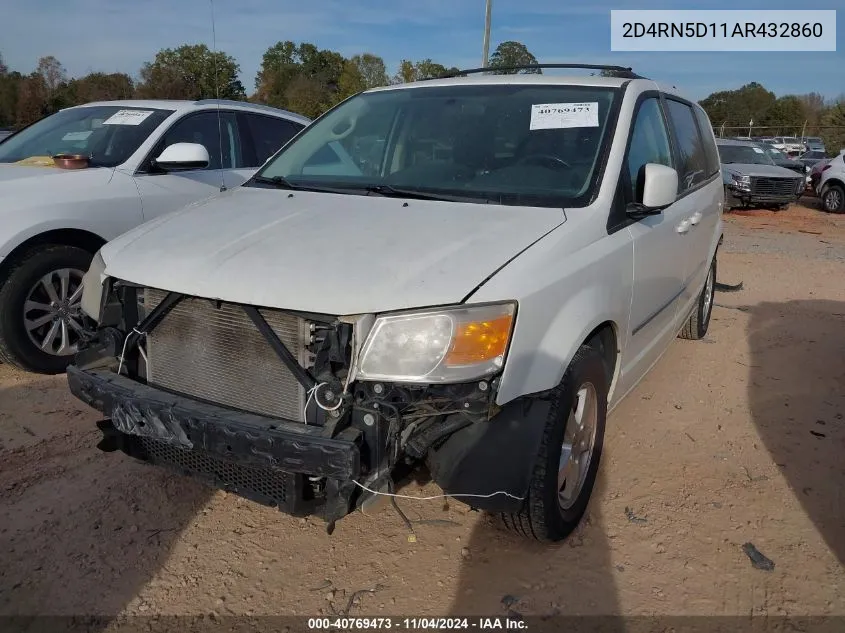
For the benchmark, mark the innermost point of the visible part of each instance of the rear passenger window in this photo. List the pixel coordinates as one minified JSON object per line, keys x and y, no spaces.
{"x":710,"y":149}
{"x":649,"y":144}
{"x":269,"y":134}
{"x":692,"y":162}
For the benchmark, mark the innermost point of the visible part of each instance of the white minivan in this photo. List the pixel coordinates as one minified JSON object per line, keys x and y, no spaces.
{"x":468,"y":273}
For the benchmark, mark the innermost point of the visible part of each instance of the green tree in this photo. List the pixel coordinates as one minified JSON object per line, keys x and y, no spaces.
{"x":32,"y":100}
{"x":362,"y":72}
{"x":785,"y":113}
{"x":814,"y":107}
{"x":833,"y":128}
{"x":284,"y":68}
{"x":512,"y":53}
{"x":738,"y":107}
{"x":99,"y":87}
{"x":409,"y":71}
{"x":9,"y":86}
{"x":190,"y":72}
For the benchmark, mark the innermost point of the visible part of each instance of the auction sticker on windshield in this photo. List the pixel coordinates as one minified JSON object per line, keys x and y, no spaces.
{"x":757,"y":149}
{"x":552,"y":116}
{"x":127,"y":117}
{"x":77,"y":136}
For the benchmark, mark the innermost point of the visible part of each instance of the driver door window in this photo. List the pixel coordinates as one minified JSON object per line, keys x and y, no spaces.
{"x":206,"y":129}
{"x":649,"y":144}
{"x":163,"y":192}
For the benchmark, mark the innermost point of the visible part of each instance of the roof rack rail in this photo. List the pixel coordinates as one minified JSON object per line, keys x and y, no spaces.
{"x":620,"y":71}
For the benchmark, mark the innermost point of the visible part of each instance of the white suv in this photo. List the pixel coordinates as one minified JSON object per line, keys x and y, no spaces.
{"x":466,"y":272}
{"x":831,"y":187}
{"x":84,"y":175}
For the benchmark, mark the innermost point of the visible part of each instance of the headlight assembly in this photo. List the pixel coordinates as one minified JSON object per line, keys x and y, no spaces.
{"x":92,"y":287}
{"x":438,"y":346}
{"x":741,"y":182}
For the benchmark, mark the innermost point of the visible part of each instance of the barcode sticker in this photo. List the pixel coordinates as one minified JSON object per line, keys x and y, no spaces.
{"x":127,"y":117}
{"x":553,"y":116}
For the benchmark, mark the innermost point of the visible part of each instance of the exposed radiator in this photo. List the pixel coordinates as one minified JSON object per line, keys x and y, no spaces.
{"x":218,"y":355}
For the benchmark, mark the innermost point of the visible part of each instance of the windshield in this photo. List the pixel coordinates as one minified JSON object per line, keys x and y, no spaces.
{"x":523,"y":144}
{"x":108,"y":135}
{"x":744,"y":154}
{"x":775,"y":153}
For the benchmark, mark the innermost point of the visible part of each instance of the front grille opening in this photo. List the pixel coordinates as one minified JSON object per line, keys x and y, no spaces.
{"x":773,"y":186}
{"x":265,"y":485}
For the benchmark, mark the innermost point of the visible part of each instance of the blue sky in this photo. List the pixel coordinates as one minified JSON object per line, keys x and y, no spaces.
{"x":105,"y":35}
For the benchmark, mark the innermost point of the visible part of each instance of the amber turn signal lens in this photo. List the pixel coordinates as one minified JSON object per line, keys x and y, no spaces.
{"x":479,"y":341}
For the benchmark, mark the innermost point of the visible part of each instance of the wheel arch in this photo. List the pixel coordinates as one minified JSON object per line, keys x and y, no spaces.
{"x":604,"y":336}
{"x":79,"y":238}
{"x":540,"y":369}
{"x":833,"y":180}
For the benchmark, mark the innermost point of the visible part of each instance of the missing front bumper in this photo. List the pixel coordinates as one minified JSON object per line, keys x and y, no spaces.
{"x":264,"y":459}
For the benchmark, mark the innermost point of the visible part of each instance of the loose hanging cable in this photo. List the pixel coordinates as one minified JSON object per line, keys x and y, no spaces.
{"x":123,"y":351}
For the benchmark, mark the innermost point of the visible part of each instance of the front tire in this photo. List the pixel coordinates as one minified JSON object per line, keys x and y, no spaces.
{"x":833,"y":199}
{"x":567,"y":464}
{"x":41,"y":321}
{"x":696,"y":326}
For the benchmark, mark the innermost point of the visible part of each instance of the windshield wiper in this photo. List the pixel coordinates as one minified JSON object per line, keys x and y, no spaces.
{"x":280,"y":182}
{"x":277,"y":181}
{"x":397,"y":192}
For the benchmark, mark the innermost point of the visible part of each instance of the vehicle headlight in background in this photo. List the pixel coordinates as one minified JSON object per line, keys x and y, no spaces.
{"x":438,"y":346}
{"x":741,"y":182}
{"x":92,"y":287}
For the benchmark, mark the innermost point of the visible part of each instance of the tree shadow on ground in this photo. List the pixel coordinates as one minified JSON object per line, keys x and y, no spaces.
{"x":796,"y":394}
{"x":81,"y":531}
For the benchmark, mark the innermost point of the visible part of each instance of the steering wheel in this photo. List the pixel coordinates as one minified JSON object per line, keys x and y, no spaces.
{"x":554,"y":162}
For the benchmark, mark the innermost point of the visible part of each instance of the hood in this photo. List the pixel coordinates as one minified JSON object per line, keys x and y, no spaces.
{"x":27,"y":175}
{"x":755,"y":170}
{"x":326,"y":253}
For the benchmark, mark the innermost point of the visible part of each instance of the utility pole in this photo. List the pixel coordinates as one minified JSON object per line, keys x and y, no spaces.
{"x":487,"y":17}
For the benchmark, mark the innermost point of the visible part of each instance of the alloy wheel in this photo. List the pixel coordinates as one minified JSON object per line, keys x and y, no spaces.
{"x":579,"y":438}
{"x":52,"y":313}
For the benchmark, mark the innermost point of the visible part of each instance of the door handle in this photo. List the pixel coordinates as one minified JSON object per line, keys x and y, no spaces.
{"x":683,"y":227}
{"x":695,"y":218}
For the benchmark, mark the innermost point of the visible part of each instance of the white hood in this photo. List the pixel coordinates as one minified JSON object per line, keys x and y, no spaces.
{"x":26,"y":179}
{"x":326,"y":253}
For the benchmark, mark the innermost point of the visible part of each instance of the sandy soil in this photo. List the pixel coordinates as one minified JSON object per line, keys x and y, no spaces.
{"x":735,"y":439}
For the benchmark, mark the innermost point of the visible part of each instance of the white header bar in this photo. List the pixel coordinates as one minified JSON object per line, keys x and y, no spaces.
{"x":708,"y":30}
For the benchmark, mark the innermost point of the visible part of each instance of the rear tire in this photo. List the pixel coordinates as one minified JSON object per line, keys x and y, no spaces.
{"x":551,"y":511}
{"x":696,"y":326}
{"x":16,"y":345}
{"x":833,"y":198}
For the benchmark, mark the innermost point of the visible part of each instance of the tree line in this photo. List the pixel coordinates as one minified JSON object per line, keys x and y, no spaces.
{"x":295,"y":76}
{"x":304,"y":78}
{"x":755,"y":109}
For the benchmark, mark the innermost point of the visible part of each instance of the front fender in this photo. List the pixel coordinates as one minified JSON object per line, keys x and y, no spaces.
{"x":564,"y":292}
{"x":103,"y":205}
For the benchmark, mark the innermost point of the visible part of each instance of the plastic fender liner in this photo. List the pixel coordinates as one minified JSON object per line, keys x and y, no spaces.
{"x":493,"y":456}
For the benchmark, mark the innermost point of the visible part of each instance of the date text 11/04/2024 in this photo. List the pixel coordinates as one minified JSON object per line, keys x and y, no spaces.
{"x":713,"y":29}
{"x":416,"y":624}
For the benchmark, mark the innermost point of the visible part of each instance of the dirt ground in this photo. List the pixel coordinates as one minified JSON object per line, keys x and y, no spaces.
{"x":739,"y":438}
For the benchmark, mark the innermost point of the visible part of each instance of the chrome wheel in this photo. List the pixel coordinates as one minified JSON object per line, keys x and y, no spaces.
{"x":833,"y":199}
{"x":707,"y":299}
{"x":579,"y":437}
{"x":52,"y":313}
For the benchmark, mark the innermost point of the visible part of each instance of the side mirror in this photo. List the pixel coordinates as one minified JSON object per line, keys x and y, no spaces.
{"x":181,"y":156}
{"x":659,"y":187}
